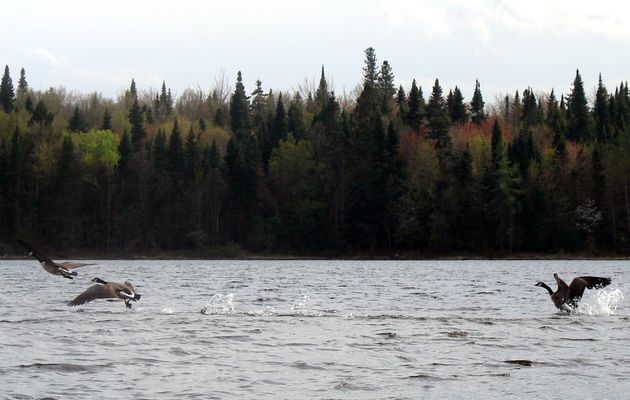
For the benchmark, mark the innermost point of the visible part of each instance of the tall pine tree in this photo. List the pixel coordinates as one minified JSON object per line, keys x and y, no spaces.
{"x":7,"y":94}
{"x":580,"y":125}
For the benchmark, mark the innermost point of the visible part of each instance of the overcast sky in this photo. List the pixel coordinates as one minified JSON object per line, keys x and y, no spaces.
{"x":91,"y":46}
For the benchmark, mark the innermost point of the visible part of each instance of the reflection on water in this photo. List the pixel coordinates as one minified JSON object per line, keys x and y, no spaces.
{"x":314,"y":329}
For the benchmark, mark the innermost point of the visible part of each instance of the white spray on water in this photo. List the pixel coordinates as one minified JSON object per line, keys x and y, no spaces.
{"x":600,"y":302}
{"x":219,"y":304}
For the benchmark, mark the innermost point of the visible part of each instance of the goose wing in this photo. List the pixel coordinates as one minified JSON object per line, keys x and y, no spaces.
{"x":72,"y":265}
{"x":41,"y":257}
{"x":576,"y":289}
{"x":561,"y":284}
{"x":93,"y":292}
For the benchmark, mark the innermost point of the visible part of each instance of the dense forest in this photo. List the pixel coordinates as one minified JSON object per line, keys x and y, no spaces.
{"x":381,"y":172}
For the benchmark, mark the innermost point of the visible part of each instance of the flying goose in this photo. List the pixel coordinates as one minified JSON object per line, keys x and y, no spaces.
{"x":567,"y":297}
{"x":62,"y":268}
{"x":107,"y":290}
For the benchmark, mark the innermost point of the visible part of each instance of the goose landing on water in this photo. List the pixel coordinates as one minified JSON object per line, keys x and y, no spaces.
{"x":567,"y":297}
{"x":107,"y":290}
{"x":63,"y":268}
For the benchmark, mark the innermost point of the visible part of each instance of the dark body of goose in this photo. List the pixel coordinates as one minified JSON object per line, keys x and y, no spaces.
{"x":107,"y":290}
{"x":63,"y":268}
{"x":567,"y":297}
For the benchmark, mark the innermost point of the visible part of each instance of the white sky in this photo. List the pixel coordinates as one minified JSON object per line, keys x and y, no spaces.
{"x":507,"y":44}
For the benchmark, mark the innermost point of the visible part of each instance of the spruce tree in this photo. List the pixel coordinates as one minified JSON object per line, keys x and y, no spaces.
{"x":7,"y":94}
{"x":579,"y":119}
{"x":107,"y":121}
{"x":477,"y":105}
{"x":279,"y":128}
{"x":321,"y":94}
{"x":159,"y":153}
{"x":456,"y":108}
{"x":529,"y":110}
{"x":386,"y":86}
{"x":239,"y":111}
{"x":77,"y":123}
{"x":22,"y":83}
{"x":176,"y":158}
{"x":138,"y":133}
{"x":416,"y":107}
{"x":439,"y":123}
{"x":500,"y":186}
{"x":556,"y":122}
{"x":41,"y":115}
{"x":133,"y":90}
{"x":295,"y":117}
{"x":601,"y":113}
{"x":259,"y":105}
{"x":370,"y":71}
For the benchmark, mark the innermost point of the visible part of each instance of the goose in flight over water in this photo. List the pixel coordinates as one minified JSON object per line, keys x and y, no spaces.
{"x":567,"y":297}
{"x":63,"y":268}
{"x":107,"y":290}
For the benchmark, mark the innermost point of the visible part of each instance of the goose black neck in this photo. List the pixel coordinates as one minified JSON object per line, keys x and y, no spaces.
{"x":543,"y":284}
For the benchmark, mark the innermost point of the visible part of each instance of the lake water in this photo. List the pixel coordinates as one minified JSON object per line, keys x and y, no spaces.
{"x":314,"y":330}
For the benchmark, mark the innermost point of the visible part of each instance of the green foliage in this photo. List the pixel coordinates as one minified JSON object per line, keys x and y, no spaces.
{"x":99,"y":148}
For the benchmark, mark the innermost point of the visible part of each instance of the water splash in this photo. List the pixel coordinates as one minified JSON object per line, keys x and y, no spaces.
{"x":219,"y":304}
{"x":602,"y":302}
{"x":301,"y":307}
{"x":168,"y":310}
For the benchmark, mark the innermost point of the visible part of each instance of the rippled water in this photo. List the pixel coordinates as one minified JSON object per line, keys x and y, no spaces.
{"x":316,"y":330}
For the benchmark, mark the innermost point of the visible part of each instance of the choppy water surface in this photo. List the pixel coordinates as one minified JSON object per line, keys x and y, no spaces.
{"x":314,"y":329}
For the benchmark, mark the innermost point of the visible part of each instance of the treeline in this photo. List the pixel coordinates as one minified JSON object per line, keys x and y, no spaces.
{"x":308,"y":173}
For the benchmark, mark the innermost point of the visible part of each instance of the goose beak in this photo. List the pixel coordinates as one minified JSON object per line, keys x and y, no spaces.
{"x":136,"y":297}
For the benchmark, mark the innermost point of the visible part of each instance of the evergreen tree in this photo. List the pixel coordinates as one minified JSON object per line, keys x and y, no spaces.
{"x":22,"y":83}
{"x":529,"y":111}
{"x":239,"y":111}
{"x":133,"y":90}
{"x":176,"y":159}
{"x":77,"y":123}
{"x":7,"y":95}
{"x":401,"y":102}
{"x":579,"y":119}
{"x":259,"y":105}
{"x":477,"y":105}
{"x":370,"y":71}
{"x":125,"y":151}
{"x":416,"y":107}
{"x":456,"y":108}
{"x":321,"y":94}
{"x":138,"y":133}
{"x":106,"y":125}
{"x":41,"y":115}
{"x":295,"y":117}
{"x":523,"y":151}
{"x":386,"y":86}
{"x":556,"y":122}
{"x":601,"y":113}
{"x":213,"y":155}
{"x":500,"y":194}
{"x":159,"y":153}
{"x":67,"y":203}
{"x":439,"y":123}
